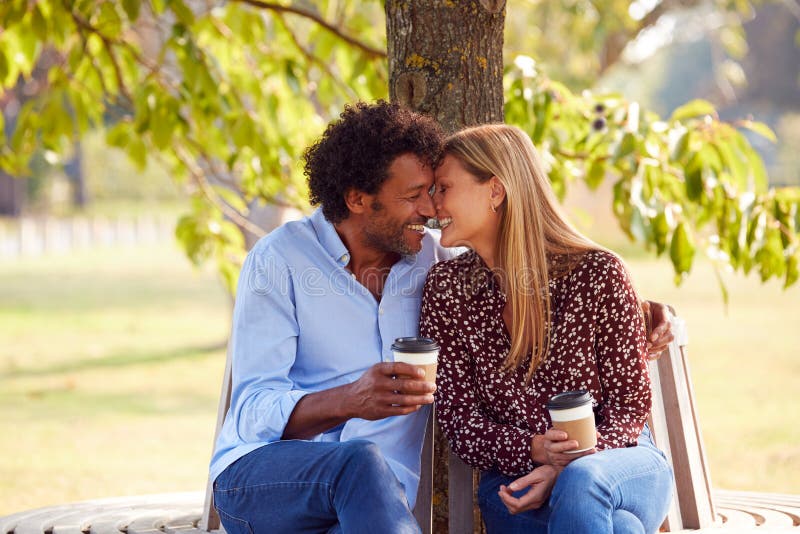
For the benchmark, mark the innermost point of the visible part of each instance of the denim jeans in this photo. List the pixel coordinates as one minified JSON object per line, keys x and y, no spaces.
{"x":625,"y":490}
{"x":302,"y":486}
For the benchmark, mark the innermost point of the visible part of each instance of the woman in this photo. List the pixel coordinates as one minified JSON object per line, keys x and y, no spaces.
{"x":532,"y":310}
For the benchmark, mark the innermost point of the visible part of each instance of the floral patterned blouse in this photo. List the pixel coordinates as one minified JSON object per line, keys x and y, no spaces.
{"x":597,"y":343}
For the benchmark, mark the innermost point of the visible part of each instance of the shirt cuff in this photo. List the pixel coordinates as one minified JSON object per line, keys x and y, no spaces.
{"x":515,"y":458}
{"x":286,"y":406}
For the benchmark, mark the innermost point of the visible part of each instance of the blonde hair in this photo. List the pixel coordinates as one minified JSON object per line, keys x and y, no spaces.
{"x":532,"y":227}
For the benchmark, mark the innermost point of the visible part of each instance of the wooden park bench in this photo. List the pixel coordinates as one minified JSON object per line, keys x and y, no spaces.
{"x":673,"y":422}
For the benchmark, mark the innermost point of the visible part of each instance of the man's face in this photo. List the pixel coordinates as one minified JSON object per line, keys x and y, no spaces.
{"x":398,"y":211}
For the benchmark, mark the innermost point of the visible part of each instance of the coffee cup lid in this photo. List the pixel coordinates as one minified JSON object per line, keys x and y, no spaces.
{"x":414,"y":344}
{"x":569,"y":399}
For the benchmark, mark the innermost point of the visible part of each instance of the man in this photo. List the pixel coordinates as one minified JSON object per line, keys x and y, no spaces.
{"x":319,"y":303}
{"x":324,"y":430}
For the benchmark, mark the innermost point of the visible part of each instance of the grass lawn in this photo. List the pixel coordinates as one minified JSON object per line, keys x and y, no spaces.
{"x":110,"y":367}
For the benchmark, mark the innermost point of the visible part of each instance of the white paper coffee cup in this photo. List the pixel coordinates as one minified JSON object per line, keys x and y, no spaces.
{"x":419,"y":351}
{"x":572,"y":412}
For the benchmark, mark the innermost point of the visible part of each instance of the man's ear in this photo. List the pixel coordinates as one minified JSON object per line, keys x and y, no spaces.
{"x":357,"y":201}
{"x":498,"y":191}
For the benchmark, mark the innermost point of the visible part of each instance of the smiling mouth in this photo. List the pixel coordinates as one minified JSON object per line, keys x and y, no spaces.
{"x":419,"y":228}
{"x":444,"y":223}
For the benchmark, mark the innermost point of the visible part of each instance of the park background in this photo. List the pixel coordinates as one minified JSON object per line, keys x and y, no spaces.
{"x":113,"y":347}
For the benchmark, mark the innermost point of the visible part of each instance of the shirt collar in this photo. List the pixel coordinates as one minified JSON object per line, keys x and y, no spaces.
{"x":329,"y":238}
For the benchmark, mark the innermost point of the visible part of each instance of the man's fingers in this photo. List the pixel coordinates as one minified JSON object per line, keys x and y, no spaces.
{"x":410,"y":400}
{"x":412,"y":387}
{"x":399,"y":369}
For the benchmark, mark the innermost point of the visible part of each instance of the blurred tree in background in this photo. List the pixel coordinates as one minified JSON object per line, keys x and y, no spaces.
{"x":225,"y":95}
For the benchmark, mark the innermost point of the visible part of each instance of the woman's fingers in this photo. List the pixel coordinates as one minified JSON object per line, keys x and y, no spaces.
{"x":539,"y":481}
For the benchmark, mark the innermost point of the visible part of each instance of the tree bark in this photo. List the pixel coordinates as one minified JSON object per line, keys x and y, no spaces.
{"x":446,"y":60}
{"x":12,"y":195}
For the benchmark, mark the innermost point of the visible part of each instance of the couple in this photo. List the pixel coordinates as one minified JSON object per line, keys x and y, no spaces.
{"x":325,"y":430}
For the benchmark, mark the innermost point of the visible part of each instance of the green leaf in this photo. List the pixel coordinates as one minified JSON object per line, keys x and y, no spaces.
{"x":137,"y":152}
{"x":543,"y":112}
{"x":132,"y":8}
{"x":626,"y":146}
{"x":770,"y":255}
{"x":595,"y":174}
{"x":39,"y":23}
{"x":722,"y":287}
{"x":229,"y":272}
{"x":757,"y":170}
{"x":760,"y":128}
{"x":695,"y":108}
{"x":681,"y":250}
{"x":660,"y":231}
{"x":291,"y":78}
{"x":118,"y":135}
{"x":694,"y":183}
{"x":182,"y":12}
{"x":158,"y":6}
{"x":792,"y":271}
{"x":734,"y":161}
{"x":640,"y":231}
{"x":4,"y":68}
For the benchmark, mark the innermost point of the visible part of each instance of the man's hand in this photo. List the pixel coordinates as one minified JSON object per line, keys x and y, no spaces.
{"x":555,"y":444}
{"x":387,"y":389}
{"x":384,"y":390}
{"x":659,"y":333}
{"x":540,"y":481}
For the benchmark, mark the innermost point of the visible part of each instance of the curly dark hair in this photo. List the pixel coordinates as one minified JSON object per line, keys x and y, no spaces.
{"x":357,"y":150}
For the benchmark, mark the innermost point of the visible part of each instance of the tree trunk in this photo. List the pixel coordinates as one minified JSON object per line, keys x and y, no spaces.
{"x":74,"y":171}
{"x":12,"y":195}
{"x":446,"y":60}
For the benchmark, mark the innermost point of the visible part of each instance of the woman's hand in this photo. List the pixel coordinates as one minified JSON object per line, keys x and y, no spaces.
{"x":555,"y":443}
{"x":659,"y":330}
{"x":539,"y":481}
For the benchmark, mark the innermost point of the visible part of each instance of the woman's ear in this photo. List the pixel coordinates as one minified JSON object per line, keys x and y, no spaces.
{"x":356,"y":201}
{"x":498,"y":191}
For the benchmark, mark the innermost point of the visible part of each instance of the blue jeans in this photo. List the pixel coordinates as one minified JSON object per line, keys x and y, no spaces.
{"x":625,"y":490}
{"x":303,"y":486}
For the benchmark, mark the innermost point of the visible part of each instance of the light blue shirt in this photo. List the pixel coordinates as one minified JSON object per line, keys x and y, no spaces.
{"x":303,"y":323}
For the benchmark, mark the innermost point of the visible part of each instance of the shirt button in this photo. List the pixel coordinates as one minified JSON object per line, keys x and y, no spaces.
{"x":380,"y":311}
{"x":345,"y":258}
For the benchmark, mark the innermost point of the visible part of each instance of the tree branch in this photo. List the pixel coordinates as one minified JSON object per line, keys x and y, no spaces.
{"x":314,"y":60}
{"x":213,"y":197}
{"x":616,"y":42}
{"x":367,"y":49}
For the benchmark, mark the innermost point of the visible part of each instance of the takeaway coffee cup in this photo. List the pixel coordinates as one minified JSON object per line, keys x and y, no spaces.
{"x":419,"y":351}
{"x":572,"y":412}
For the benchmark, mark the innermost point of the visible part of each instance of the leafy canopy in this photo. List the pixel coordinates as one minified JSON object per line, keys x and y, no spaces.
{"x":227,"y":97}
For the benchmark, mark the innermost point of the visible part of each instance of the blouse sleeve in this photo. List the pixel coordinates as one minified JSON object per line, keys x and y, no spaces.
{"x":621,"y":357}
{"x":475,"y":438}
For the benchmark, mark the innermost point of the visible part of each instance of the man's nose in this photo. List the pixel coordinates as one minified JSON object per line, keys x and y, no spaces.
{"x":426,"y":207}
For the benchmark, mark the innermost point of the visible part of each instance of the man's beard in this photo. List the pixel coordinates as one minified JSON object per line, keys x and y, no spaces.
{"x":386,"y":234}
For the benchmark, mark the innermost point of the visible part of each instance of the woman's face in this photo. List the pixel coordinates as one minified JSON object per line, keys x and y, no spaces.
{"x":463,"y":207}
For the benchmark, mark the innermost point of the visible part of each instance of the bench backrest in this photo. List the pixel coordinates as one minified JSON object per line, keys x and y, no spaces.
{"x":673,"y":422}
